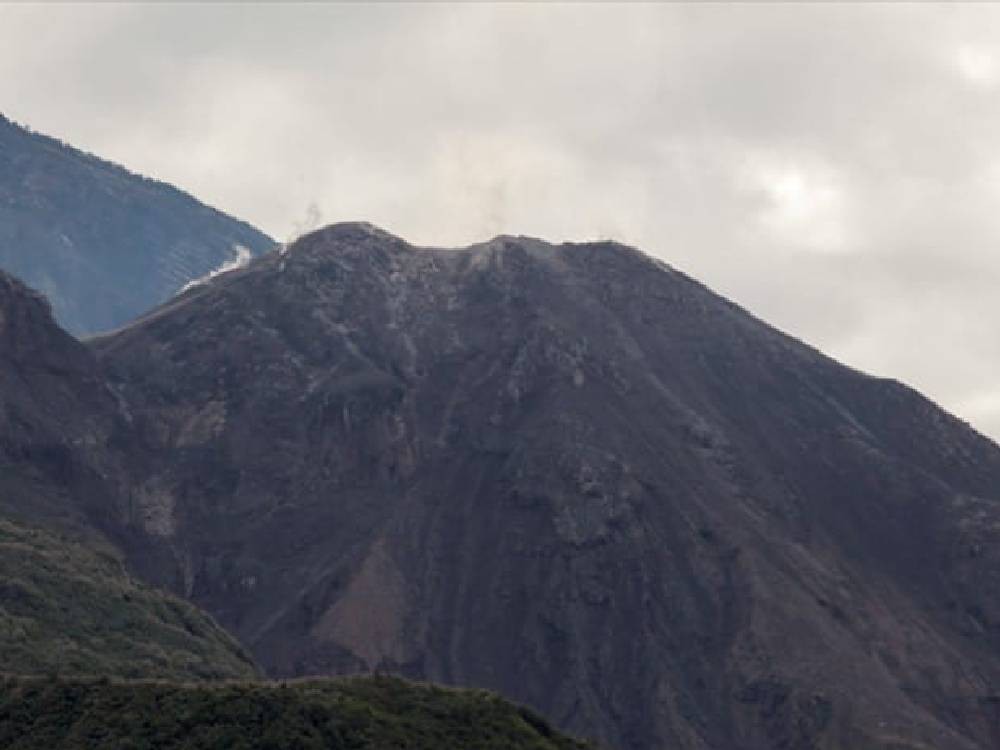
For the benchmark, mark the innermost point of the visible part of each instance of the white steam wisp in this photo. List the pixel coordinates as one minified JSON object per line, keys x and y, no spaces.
{"x":242,"y":257}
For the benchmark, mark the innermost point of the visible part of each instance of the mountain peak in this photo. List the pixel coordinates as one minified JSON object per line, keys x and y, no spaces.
{"x":344,"y":232}
{"x":568,"y":473}
{"x":25,"y":319}
{"x":13,"y":289}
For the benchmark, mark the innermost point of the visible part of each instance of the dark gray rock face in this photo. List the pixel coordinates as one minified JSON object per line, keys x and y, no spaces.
{"x":59,"y":420}
{"x":572,"y":474}
{"x":104,"y":245}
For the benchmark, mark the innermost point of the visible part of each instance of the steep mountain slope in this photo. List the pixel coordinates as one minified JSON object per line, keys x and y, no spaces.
{"x":357,"y":714}
{"x":59,"y":420}
{"x":576,"y":476}
{"x":66,"y":603}
{"x":68,"y":607}
{"x":104,"y":245}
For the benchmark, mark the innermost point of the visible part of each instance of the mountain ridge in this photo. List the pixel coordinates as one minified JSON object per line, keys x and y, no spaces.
{"x":567,"y":473}
{"x":103,"y":243}
{"x":684,"y":527}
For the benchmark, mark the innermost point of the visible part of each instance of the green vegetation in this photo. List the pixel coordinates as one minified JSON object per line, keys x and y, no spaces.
{"x":360,"y":713}
{"x":68,"y":607}
{"x":71,"y":617}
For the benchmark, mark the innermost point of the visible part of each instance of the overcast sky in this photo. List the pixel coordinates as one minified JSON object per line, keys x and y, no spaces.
{"x":834,"y":168}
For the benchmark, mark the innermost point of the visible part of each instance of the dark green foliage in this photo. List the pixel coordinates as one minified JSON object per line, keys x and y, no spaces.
{"x":354,"y":714}
{"x":68,"y":607}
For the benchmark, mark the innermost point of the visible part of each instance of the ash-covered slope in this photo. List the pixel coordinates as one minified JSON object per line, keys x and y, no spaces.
{"x":66,"y":603}
{"x":576,"y":476}
{"x":60,"y":423}
{"x":103,"y":244}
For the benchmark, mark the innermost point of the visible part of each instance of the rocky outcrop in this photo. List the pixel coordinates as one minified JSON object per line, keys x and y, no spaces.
{"x":571,"y":474}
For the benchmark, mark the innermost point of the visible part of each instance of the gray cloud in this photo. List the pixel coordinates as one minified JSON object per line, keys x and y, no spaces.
{"x":834,"y":168}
